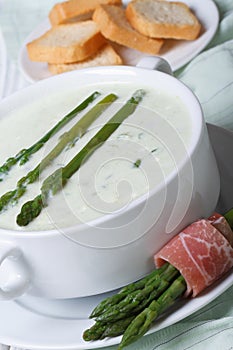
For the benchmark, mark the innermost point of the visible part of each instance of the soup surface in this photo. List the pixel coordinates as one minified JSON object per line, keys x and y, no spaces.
{"x":137,"y":157}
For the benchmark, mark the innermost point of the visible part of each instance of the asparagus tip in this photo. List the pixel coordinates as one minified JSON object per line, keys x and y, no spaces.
{"x":29,"y":211}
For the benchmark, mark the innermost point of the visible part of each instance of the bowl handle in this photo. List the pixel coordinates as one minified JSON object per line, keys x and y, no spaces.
{"x":13,"y":271}
{"x":155,"y":63}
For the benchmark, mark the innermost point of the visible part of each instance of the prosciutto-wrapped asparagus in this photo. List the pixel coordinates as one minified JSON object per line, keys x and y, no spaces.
{"x":186,"y":265}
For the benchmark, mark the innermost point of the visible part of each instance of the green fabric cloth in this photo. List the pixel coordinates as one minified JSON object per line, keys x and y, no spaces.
{"x":210,"y":76}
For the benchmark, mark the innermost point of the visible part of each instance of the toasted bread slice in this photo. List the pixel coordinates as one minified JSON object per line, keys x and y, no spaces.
{"x":106,"y":56}
{"x":76,"y":10}
{"x":163,"y":19}
{"x":67,"y":43}
{"x":113,"y":25}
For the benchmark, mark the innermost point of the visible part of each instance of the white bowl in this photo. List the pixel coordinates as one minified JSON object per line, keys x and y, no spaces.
{"x":114,"y":250}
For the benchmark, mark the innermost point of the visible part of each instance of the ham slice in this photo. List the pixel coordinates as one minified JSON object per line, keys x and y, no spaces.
{"x":221,"y":224}
{"x":201,"y":254}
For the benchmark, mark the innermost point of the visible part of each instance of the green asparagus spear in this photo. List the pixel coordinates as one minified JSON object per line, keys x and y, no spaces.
{"x":109,"y":302}
{"x":23,"y":156}
{"x":117,"y":328}
{"x":145,"y":281}
{"x":95,"y":332}
{"x":229,"y":217}
{"x":77,"y":131}
{"x":101,"y":330}
{"x":58,"y":179}
{"x":139,"y":299}
{"x":142,"y":322}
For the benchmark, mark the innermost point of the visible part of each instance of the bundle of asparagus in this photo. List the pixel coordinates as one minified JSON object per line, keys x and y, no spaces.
{"x":132,"y":311}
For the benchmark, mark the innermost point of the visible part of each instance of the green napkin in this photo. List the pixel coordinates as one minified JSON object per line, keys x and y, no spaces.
{"x":210,"y":74}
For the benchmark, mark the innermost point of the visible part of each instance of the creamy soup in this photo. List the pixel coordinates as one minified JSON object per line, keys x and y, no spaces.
{"x":137,"y":157}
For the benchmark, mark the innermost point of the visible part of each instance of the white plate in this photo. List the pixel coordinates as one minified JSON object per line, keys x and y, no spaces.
{"x":3,"y":64}
{"x":177,"y":53}
{"x":38,"y":324}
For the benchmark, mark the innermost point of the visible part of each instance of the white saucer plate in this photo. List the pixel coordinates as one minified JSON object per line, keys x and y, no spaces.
{"x":39,"y":324}
{"x":177,"y":53}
